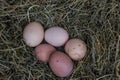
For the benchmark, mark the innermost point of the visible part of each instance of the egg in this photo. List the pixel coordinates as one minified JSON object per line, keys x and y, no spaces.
{"x":61,"y":64}
{"x":56,"y":36}
{"x":33,"y":34}
{"x":76,"y":49}
{"x":43,"y":51}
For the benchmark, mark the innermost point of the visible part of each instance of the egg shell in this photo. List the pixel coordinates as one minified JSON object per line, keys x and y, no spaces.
{"x":76,"y":49}
{"x":61,"y":64}
{"x":43,"y":52}
{"x":33,"y":34}
{"x":56,"y":36}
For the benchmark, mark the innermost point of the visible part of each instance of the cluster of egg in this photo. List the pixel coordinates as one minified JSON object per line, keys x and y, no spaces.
{"x":61,"y":63}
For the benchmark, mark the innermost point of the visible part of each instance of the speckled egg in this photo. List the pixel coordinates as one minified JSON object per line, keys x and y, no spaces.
{"x":76,"y":49}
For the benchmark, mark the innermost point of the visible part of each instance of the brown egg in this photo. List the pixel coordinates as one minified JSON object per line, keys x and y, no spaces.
{"x":61,"y":64}
{"x":43,"y":51}
{"x":76,"y":49}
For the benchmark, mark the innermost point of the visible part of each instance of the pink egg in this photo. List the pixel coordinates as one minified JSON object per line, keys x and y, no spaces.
{"x":61,"y":64}
{"x":43,"y":51}
{"x":33,"y":34}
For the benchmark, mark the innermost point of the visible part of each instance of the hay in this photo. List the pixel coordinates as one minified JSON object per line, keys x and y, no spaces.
{"x":97,"y":22}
